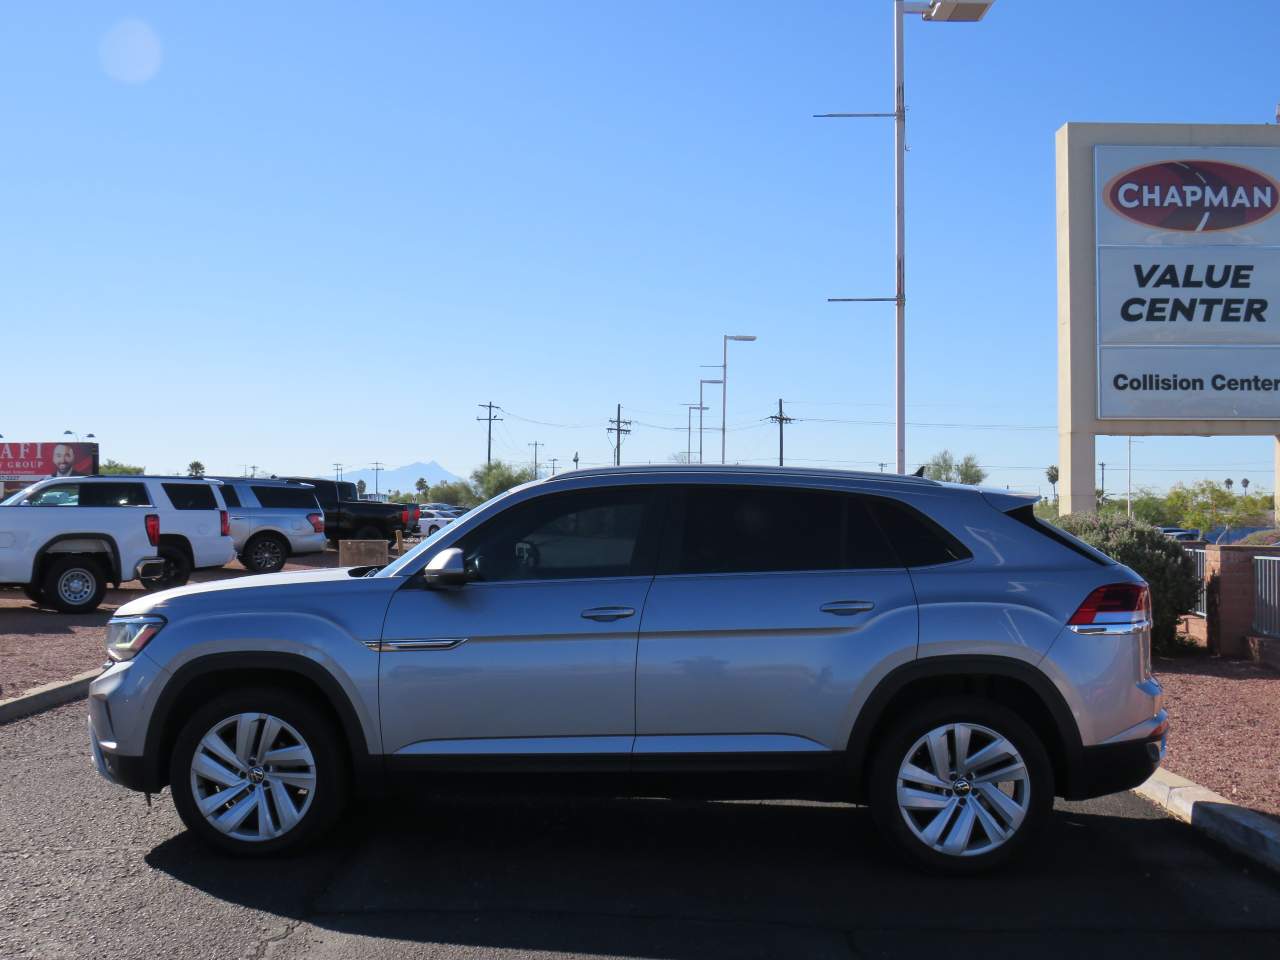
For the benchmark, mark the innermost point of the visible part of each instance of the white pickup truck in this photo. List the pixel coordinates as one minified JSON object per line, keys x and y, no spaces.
{"x":63,"y":540}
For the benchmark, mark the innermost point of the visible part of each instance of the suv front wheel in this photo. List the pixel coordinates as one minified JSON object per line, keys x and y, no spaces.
{"x":961,"y":785}
{"x":258,"y":771}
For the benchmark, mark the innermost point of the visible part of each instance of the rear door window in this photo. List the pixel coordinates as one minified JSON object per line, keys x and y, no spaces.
{"x":231,"y":497}
{"x":190,"y":496}
{"x":123,"y":494}
{"x":286,"y":497}
{"x":720,"y":529}
{"x":917,"y":540}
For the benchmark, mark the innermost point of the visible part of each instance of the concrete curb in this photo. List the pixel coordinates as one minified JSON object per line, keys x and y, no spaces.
{"x":47,"y":696}
{"x":1248,"y":832}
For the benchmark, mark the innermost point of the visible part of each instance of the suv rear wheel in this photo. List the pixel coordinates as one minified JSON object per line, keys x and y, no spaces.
{"x":258,"y":771}
{"x":72,"y":584}
{"x":265,"y":553}
{"x":961,"y":785}
{"x":177,"y":569}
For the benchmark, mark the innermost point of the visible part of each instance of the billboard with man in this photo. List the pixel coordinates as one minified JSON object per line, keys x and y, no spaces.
{"x":22,"y":463}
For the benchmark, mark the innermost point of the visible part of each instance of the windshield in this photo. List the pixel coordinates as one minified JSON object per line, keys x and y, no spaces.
{"x":15,"y":498}
{"x":393,"y":569}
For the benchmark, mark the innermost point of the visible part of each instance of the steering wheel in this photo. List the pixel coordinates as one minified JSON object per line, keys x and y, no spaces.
{"x":527,"y":556}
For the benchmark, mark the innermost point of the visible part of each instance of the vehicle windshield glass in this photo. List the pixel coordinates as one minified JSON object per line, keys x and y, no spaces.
{"x":14,"y":498}
{"x":394,"y":568}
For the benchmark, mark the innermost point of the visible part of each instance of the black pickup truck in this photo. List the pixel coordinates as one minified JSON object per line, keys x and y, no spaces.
{"x":347,"y":517}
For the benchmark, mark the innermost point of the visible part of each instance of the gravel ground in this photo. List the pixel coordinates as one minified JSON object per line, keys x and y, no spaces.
{"x":1225,"y":732}
{"x":38,"y":646}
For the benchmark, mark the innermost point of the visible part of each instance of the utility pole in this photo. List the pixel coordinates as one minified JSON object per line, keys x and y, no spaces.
{"x":536,"y":444}
{"x":253,"y":470}
{"x":1128,"y":495}
{"x":488,"y":450}
{"x":337,"y":473}
{"x":618,"y":427}
{"x":554,"y":461}
{"x":377,"y":469}
{"x":575,"y":459}
{"x":883,"y":464}
{"x":1104,"y":478}
{"x":781,"y":419}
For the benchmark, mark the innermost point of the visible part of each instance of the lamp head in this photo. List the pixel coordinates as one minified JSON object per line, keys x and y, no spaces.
{"x":959,"y":11}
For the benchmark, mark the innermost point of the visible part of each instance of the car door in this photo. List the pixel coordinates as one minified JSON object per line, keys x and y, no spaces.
{"x":773,"y":612}
{"x":536,"y":654}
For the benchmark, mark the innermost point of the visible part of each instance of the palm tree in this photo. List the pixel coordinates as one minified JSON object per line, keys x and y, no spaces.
{"x":1051,"y":474}
{"x":1227,"y":483}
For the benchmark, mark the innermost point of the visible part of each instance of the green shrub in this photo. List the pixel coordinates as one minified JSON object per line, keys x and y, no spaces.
{"x":1167,"y":568}
{"x":1262,"y":538}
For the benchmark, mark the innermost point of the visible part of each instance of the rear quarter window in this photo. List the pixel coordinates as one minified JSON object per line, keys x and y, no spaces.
{"x":230,"y":496}
{"x":190,"y":496}
{"x":286,"y":497}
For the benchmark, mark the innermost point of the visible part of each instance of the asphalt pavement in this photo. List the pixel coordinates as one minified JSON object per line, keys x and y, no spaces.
{"x":87,"y":870}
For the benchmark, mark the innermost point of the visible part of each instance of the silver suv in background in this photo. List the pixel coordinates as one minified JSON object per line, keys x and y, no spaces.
{"x":931,"y":650}
{"x":272,"y":520}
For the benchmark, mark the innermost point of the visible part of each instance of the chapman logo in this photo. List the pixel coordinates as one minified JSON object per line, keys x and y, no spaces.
{"x":1193,"y":195}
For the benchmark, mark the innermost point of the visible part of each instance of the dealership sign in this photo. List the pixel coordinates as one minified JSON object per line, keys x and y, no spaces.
{"x":1188,"y":282}
{"x":28,"y":462}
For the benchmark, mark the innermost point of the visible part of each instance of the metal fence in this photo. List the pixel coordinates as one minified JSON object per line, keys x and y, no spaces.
{"x":1266,"y":596}
{"x":1197,"y":554}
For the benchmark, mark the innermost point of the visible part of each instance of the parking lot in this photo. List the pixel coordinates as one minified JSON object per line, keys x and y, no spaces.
{"x":90,"y":871}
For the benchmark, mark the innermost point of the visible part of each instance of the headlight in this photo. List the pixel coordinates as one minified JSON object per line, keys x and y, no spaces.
{"x":127,"y":635}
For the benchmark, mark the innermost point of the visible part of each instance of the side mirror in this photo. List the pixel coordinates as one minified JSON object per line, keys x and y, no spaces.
{"x":446,"y":569}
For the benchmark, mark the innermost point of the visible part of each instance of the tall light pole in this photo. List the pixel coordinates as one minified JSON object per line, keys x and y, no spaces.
{"x":688,"y":454}
{"x":724,"y":385}
{"x":701,"y":384}
{"x":944,"y":11}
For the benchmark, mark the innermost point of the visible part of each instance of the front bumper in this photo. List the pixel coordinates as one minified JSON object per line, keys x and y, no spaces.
{"x":120,"y":703}
{"x":1112,"y":767}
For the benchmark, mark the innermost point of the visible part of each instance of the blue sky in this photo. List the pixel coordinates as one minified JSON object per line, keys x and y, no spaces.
{"x":289,"y":235}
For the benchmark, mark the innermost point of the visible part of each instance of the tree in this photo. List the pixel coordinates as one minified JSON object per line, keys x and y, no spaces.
{"x":498,"y":477}
{"x":361,"y":486}
{"x":1051,"y":474}
{"x":455,"y":492}
{"x":421,"y":486}
{"x":1228,"y":483}
{"x":943,"y":466}
{"x":195,"y":469}
{"x":114,"y":468}
{"x":1204,"y":505}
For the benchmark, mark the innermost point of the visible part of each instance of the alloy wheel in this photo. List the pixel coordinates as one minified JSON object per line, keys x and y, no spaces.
{"x":963,"y":789}
{"x":267,"y":554}
{"x":253,"y":777}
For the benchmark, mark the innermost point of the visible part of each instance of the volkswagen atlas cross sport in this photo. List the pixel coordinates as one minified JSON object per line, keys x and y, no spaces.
{"x":930,"y":650}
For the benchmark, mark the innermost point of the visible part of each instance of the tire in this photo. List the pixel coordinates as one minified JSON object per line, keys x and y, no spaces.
{"x":72,"y":584}
{"x":433,"y":531}
{"x":177,"y":570}
{"x":313,"y":796}
{"x":958,"y":807}
{"x":265,"y":553}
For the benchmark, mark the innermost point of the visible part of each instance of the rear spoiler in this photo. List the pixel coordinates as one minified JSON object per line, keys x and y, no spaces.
{"x":1006,"y":500}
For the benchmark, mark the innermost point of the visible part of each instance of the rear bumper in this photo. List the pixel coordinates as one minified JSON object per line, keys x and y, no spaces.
{"x":1112,"y":767}
{"x":148,"y":567}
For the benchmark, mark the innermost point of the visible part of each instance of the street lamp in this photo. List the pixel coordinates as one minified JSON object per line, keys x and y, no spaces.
{"x":688,"y":454}
{"x":701,"y":384}
{"x":724,"y":385}
{"x":87,"y":436}
{"x":943,"y":11}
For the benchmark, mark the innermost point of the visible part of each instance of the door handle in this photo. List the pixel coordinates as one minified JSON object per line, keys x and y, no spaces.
{"x":847,"y":608}
{"x":608,"y":614}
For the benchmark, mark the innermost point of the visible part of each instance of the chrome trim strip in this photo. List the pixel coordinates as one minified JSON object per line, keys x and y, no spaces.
{"x":1109,"y":629}
{"x":396,"y":646}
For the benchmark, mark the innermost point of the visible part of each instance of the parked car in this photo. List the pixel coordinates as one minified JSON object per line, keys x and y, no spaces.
{"x":431,"y":521}
{"x":1180,"y":534}
{"x":933,"y":650}
{"x":347,"y":517}
{"x":64,"y":540}
{"x":272,"y":520}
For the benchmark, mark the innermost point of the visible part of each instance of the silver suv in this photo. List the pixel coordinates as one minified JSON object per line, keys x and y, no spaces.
{"x":931,"y":650}
{"x":272,"y":520}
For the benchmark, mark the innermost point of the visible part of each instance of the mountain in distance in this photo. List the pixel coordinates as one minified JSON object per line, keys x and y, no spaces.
{"x":401,"y":478}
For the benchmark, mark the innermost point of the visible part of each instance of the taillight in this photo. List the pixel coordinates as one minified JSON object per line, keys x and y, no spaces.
{"x":417,"y":513}
{"x":153,"y":528}
{"x":317,"y":521}
{"x":226,"y":523}
{"x":1116,"y":604}
{"x":404,"y":518}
